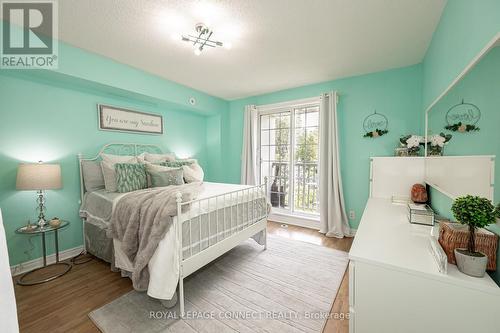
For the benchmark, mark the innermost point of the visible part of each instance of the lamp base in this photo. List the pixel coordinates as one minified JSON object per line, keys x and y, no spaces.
{"x":40,"y":200}
{"x":42,"y":223}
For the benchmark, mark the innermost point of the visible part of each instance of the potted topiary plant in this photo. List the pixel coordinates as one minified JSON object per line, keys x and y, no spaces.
{"x":475,"y":212}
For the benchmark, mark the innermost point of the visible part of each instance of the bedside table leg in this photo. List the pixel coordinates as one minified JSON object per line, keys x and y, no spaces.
{"x":56,"y":238}
{"x":44,"y":250}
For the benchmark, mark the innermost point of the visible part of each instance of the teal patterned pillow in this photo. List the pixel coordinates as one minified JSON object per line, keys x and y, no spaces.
{"x":166,"y":178}
{"x":177,"y":163}
{"x":130,"y":177}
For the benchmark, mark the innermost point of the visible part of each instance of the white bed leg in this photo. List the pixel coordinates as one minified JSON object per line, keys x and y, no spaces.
{"x":181,"y":296}
{"x":265,"y":239}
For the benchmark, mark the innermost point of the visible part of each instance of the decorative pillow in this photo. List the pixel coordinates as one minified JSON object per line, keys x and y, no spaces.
{"x":108,"y":168}
{"x":93,"y":179}
{"x":158,"y":158}
{"x":166,"y":177}
{"x":108,"y":172}
{"x":193,"y":173}
{"x":130,"y":177}
{"x":177,"y":163}
{"x":150,"y":167}
{"x":141,"y":158}
{"x":118,"y":158}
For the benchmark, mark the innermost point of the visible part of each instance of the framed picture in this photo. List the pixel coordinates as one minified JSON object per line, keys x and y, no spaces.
{"x":112,"y":118}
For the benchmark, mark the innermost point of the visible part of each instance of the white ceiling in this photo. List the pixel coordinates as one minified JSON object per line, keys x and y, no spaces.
{"x":277,"y":44}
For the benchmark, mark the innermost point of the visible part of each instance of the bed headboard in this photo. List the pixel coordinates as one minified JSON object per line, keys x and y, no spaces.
{"x":132,"y":149}
{"x":117,"y":148}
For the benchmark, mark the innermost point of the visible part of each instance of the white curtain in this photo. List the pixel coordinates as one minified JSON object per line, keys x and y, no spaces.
{"x":249,"y":150}
{"x":333,"y":217}
{"x":8,"y":311}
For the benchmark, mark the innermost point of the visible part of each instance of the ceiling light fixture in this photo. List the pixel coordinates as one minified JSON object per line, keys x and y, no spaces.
{"x":203,"y":39}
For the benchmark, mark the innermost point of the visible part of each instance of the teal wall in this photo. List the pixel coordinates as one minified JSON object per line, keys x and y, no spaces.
{"x":395,"y":93}
{"x":464,"y":29}
{"x":53,"y":123}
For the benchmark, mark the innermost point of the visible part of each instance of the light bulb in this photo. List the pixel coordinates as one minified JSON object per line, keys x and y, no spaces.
{"x":228,"y":45}
{"x":197,"y":51}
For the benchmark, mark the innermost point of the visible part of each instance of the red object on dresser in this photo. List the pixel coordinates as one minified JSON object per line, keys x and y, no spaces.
{"x":419,"y":193}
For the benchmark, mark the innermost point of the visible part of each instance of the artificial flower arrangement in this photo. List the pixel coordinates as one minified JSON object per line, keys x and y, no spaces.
{"x":412,"y":143}
{"x":375,"y":134}
{"x":436,"y":143}
{"x":462,"y":128}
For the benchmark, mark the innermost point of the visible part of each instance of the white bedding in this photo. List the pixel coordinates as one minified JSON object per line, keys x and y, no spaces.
{"x":164,"y":265}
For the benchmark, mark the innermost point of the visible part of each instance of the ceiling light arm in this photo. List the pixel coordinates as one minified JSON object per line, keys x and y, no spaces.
{"x":202,"y":39}
{"x":206,"y":40}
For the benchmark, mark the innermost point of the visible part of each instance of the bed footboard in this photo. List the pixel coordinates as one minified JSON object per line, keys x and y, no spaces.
{"x":209,"y":227}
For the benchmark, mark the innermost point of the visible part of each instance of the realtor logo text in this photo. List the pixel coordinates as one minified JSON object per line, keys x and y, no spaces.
{"x":29,"y":34}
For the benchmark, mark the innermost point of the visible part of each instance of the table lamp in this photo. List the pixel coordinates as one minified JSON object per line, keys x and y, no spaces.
{"x":39,"y":177}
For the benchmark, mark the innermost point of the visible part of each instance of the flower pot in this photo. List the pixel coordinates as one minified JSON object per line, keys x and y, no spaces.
{"x":473,"y":264}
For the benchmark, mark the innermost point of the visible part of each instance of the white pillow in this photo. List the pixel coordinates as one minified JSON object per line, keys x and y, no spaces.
{"x":157,"y":168}
{"x":109,"y":174}
{"x":158,"y":158}
{"x":193,"y":173}
{"x":118,"y":158}
{"x":108,"y":169}
{"x":140,"y":158}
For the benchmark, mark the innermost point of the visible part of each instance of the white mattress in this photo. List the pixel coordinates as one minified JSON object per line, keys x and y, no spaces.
{"x":100,"y":203}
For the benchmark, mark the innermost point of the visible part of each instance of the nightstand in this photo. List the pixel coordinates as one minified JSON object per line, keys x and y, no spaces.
{"x":42,"y":231}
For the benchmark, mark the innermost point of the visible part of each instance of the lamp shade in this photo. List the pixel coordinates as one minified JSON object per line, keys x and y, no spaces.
{"x":38,"y":177}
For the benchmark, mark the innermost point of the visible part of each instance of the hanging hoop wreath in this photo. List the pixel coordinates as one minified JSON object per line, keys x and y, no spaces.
{"x":375,"y":125}
{"x":463,"y":117}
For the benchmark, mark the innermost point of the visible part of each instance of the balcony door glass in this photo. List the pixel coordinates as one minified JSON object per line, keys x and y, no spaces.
{"x":289,"y":158}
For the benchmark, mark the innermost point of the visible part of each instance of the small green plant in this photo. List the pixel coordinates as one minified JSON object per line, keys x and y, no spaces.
{"x":476,"y":212}
{"x":497,"y":211}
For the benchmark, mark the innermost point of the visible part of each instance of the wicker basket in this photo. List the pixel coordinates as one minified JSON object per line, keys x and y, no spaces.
{"x":454,"y":235}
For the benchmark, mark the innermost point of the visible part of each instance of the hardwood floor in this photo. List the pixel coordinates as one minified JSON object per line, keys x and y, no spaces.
{"x":62,"y":305}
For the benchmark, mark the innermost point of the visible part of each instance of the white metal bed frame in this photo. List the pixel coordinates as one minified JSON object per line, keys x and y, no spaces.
{"x":253,"y":224}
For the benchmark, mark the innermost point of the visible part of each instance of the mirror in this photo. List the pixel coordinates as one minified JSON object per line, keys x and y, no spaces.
{"x":465,"y":121}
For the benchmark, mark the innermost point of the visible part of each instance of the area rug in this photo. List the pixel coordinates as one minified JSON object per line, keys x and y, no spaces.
{"x":289,"y":287}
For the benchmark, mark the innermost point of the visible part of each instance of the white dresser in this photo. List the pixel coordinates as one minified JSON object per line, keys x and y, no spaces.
{"x":395,"y":286}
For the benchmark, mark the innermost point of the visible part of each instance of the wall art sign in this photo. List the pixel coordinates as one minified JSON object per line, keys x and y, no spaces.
{"x":123,"y":120}
{"x":375,"y":125}
{"x":463,"y":117}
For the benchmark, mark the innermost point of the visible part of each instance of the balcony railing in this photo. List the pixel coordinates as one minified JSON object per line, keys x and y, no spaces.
{"x":305,"y":196}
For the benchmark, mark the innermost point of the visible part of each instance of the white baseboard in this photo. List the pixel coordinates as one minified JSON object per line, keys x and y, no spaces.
{"x":298,"y":221}
{"x":35,"y":263}
{"x":294,"y":220}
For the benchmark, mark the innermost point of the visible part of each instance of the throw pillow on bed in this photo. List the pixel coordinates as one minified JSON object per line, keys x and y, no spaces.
{"x":93,"y":178}
{"x":108,"y":168}
{"x":110,"y":158}
{"x":150,"y":168}
{"x":130,"y":177}
{"x":158,"y":158}
{"x":172,"y":176}
{"x":193,"y":173}
{"x":108,"y":173}
{"x":177,"y":163}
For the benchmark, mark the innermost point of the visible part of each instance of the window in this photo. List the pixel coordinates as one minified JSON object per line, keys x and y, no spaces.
{"x":289,"y":157}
